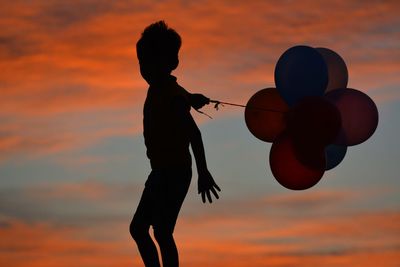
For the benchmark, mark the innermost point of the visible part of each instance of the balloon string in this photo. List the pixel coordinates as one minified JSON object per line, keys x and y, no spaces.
{"x":218,"y":103}
{"x":205,"y":114}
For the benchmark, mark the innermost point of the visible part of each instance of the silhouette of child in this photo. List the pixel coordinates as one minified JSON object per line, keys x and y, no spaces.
{"x":169,"y":129}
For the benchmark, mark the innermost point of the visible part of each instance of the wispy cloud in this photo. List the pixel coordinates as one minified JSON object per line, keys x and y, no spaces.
{"x":60,"y":58}
{"x":43,"y":244}
{"x":277,"y":241}
{"x":69,"y":81}
{"x":261,"y":232}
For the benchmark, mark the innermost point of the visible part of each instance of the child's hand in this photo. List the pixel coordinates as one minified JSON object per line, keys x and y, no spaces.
{"x":206,"y":184}
{"x":197,"y":101}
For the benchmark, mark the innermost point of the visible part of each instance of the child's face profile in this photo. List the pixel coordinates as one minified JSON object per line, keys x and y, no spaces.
{"x":153,"y":69}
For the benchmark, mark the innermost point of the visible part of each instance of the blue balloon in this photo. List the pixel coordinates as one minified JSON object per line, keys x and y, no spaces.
{"x":301,"y":71}
{"x":334,"y":155}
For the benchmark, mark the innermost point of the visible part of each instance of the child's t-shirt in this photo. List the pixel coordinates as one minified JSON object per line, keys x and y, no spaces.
{"x":165,"y":137}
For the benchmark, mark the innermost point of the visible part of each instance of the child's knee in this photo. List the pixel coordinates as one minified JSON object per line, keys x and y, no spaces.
{"x":137,"y":231}
{"x":163,"y":236}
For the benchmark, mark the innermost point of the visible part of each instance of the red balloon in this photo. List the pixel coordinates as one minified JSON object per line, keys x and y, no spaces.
{"x":265,"y":114}
{"x":338,"y":75}
{"x":289,"y":171}
{"x":314,"y":120}
{"x":359,"y":115}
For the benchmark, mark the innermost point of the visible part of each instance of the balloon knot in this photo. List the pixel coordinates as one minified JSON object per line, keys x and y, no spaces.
{"x":217,"y":104}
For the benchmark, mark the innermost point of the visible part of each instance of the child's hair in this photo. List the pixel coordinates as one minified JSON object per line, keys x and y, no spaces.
{"x":157,"y":42}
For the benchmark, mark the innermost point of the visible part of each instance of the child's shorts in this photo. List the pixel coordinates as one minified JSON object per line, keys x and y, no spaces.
{"x":162,"y":198}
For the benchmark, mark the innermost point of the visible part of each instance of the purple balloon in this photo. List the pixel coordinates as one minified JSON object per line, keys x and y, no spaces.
{"x":337,"y":69}
{"x":359,"y":115}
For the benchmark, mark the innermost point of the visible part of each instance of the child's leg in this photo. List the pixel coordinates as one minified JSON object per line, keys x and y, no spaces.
{"x":146,"y":246}
{"x":170,"y":201}
{"x":139,"y":229}
{"x":169,"y":252}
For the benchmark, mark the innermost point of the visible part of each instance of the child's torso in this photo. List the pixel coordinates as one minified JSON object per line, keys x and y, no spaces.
{"x":166,"y":140}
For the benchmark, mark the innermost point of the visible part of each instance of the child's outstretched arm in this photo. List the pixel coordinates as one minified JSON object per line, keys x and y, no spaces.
{"x":197,"y":101}
{"x":206,"y":183}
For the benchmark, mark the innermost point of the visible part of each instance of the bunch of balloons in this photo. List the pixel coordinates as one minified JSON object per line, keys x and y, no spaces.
{"x":311,"y":117}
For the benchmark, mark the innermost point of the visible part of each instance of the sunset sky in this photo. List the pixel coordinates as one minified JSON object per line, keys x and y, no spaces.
{"x":72,"y":157}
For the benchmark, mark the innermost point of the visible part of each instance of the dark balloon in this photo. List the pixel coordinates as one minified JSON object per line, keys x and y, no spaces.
{"x":334,"y":155}
{"x":301,"y":71}
{"x":314,"y":120}
{"x":309,"y":153}
{"x":264,"y":114}
{"x":338,"y":75}
{"x":359,"y":115}
{"x":289,"y":171}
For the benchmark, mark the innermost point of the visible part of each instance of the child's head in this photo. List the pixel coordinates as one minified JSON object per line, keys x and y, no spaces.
{"x":157,"y":51}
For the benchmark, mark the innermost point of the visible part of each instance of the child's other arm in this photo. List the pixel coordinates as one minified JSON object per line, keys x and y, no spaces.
{"x":206,"y":183}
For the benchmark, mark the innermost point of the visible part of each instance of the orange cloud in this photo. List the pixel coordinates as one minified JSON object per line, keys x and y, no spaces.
{"x":69,"y":79}
{"x":273,"y":241}
{"x":63,"y":58}
{"x":46,"y":245}
{"x":234,"y":242}
{"x":88,"y":222}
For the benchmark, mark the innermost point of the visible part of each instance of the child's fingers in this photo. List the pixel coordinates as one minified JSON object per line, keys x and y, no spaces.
{"x":203,"y":197}
{"x":214,"y":192}
{"x":209,"y":196}
{"x":216,"y":186}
